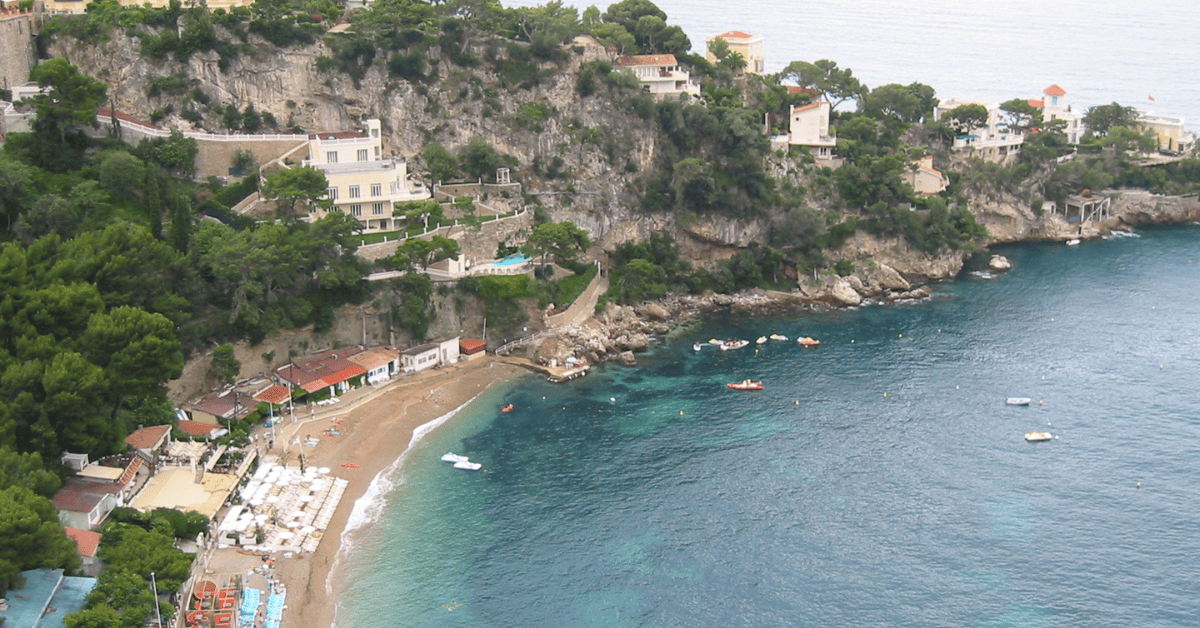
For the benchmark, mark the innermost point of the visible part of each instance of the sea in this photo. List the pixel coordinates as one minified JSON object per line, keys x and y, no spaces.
{"x":880,"y":479}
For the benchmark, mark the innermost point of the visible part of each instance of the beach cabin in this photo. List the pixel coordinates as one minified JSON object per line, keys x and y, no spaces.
{"x":221,"y":407}
{"x":471,"y":348}
{"x":84,"y":504}
{"x":430,"y":355}
{"x":380,"y":363}
{"x":87,"y":543}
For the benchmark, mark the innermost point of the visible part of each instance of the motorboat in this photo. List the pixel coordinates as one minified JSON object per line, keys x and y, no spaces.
{"x":762,"y":340}
{"x":808,"y":341}
{"x":1036,"y":436}
{"x":698,"y":346}
{"x":1018,"y":401}
{"x":468,"y":465}
{"x":1072,"y":241}
{"x":507,"y":408}
{"x":778,"y":337}
{"x":450,"y":456}
{"x":733,"y":344}
{"x":745,"y":384}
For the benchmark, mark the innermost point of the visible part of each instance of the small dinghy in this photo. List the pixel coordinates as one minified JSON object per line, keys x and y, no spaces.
{"x":762,"y":340}
{"x":468,"y":465}
{"x":729,"y":345}
{"x":778,"y":337}
{"x":745,"y":384}
{"x":1036,"y":436}
{"x":1017,"y":401}
{"x":450,"y":456}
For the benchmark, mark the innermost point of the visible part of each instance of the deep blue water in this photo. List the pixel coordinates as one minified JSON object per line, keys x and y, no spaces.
{"x":880,"y":480}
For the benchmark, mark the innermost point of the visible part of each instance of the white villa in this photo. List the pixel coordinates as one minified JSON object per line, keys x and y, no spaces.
{"x":993,"y":141}
{"x":660,"y":75}
{"x":809,"y":127}
{"x":1054,"y":107}
{"x":748,"y":45}
{"x":361,"y":182}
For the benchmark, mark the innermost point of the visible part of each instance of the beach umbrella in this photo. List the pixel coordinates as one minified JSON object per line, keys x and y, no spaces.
{"x":323,"y":470}
{"x":274,"y":499}
{"x":285,"y":535}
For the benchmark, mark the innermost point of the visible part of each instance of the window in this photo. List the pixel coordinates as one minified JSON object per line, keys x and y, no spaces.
{"x":333,"y":195}
{"x":377,"y":209}
{"x":355,"y":191}
{"x":356,"y":210}
{"x":362,"y":154}
{"x":376,"y":152}
{"x":331,"y":157}
{"x":376,"y":189}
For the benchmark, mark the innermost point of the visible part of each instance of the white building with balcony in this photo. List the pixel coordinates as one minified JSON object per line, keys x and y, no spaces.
{"x":993,"y":141}
{"x":808,"y":126}
{"x":361,"y":182}
{"x":661,"y":75}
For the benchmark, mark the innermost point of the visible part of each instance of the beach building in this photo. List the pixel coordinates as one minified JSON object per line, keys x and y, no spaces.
{"x":748,"y":45}
{"x":145,"y":441}
{"x":201,"y":430}
{"x":380,"y":363}
{"x":991,"y":142}
{"x":924,"y":178}
{"x":362,"y":182}
{"x":84,"y":504}
{"x":472,"y":348}
{"x":87,"y":543}
{"x":430,"y":355}
{"x":1171,"y":132}
{"x":661,"y":75}
{"x":808,"y":127}
{"x":221,"y":407}
{"x":1054,"y":107}
{"x":330,"y":370}
{"x":47,"y":597}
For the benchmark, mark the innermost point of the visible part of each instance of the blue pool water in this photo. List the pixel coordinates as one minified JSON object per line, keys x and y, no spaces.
{"x":879,"y":480}
{"x":511,"y":260}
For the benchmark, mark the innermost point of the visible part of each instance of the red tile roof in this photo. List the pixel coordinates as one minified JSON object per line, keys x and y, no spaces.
{"x":318,"y":371}
{"x":274,"y":394}
{"x":796,"y":89}
{"x":223,"y":404}
{"x":376,"y":357}
{"x":735,"y":35}
{"x":83,"y":496}
{"x":124,"y":117}
{"x":654,"y":60}
{"x":1036,"y":103}
{"x":337,"y":135}
{"x":471,"y":346}
{"x":807,"y":107}
{"x":148,"y":437}
{"x":196,"y":428}
{"x":1054,"y":90}
{"x":86,"y":541}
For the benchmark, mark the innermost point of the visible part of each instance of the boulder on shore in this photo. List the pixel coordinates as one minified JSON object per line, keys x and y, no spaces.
{"x":999,"y":262}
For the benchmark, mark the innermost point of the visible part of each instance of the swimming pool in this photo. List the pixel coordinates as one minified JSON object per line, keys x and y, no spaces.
{"x":511,"y":260}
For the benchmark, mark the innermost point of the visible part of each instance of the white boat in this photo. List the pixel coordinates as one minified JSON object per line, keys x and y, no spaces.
{"x":1017,"y":401}
{"x":1036,"y":436}
{"x":468,"y":465}
{"x":450,"y":456}
{"x":762,"y":340}
{"x":733,"y":344}
{"x":778,"y":337}
{"x":698,"y":346}
{"x":1072,"y":241}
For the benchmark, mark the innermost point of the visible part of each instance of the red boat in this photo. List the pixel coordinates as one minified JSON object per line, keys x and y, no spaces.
{"x":808,"y":342}
{"x":745,"y":385}
{"x":507,"y":408}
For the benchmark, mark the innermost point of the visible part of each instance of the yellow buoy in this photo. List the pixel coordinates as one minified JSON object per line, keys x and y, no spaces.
{"x":681,"y":412}
{"x":901,"y":335}
{"x":1139,"y":485}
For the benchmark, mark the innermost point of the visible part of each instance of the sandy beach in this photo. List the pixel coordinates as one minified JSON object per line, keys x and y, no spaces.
{"x":373,"y":434}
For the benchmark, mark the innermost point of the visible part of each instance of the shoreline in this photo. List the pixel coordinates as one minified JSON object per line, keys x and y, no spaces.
{"x":370,"y":435}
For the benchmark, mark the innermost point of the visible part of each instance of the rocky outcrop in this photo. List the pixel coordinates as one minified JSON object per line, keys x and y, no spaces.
{"x":999,"y":262}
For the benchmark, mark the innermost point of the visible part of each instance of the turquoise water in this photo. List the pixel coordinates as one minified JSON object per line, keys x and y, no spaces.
{"x":511,"y":260}
{"x":879,"y":480}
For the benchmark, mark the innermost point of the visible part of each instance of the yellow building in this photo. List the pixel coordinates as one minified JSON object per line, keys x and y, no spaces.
{"x":745,"y":44}
{"x":1171,"y":133}
{"x":361,"y":182}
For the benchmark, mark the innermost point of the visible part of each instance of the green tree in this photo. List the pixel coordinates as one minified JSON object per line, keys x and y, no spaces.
{"x":836,"y":84}
{"x":290,"y":186}
{"x":101,"y":616}
{"x":72,"y":98}
{"x":413,"y":310}
{"x":442,"y":164}
{"x":31,"y":536}
{"x":27,"y":470}
{"x":1020,"y":116}
{"x":563,"y":239}
{"x":1101,"y":118}
{"x":965,"y":118}
{"x":225,"y":367}
{"x":480,"y":160}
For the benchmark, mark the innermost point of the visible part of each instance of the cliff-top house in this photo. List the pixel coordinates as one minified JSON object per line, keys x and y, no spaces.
{"x":362,"y":183}
{"x":748,"y":45}
{"x":1054,"y":107}
{"x":993,"y":141}
{"x":808,"y":127}
{"x":661,"y":75}
{"x":1170,"y":131}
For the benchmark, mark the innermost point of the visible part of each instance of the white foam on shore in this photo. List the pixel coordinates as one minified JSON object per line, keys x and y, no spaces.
{"x":368,"y":508}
